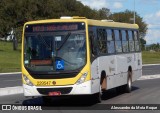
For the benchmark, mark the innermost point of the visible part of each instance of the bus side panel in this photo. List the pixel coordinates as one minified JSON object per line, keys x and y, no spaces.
{"x":123,"y":63}
{"x":138,"y":71}
{"x":107,"y":64}
{"x":121,"y":70}
{"x":116,"y":68}
{"x":126,"y":60}
{"x":95,"y":87}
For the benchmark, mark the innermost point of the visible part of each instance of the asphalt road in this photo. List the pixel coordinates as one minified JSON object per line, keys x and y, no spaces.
{"x":151,"y":70}
{"x":10,"y":80}
{"x":143,"y":92}
{"x":15,"y":79}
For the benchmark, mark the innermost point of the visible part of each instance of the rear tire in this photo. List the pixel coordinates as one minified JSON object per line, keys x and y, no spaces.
{"x":129,"y":83}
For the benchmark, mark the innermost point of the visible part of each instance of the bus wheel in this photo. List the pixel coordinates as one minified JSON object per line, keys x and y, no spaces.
{"x":98,"y":96}
{"x":129,"y":82}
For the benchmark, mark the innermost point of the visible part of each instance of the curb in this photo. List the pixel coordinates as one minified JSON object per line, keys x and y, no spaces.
{"x":11,"y":90}
{"x":149,"y":77}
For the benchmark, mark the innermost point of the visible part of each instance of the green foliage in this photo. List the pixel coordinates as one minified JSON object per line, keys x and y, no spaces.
{"x":153,"y":47}
{"x":150,"y":57}
{"x":13,"y":13}
{"x":9,"y":60}
{"x":143,"y":42}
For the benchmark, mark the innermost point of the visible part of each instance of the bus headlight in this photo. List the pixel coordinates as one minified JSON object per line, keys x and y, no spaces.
{"x":82,"y":78}
{"x":28,"y":82}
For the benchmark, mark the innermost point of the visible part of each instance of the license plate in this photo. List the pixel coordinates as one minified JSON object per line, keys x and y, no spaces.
{"x":44,"y":83}
{"x":55,"y":93}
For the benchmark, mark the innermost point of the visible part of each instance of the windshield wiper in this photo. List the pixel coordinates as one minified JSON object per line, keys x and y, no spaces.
{"x":66,"y":38}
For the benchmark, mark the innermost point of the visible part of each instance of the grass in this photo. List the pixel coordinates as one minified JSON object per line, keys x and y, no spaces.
{"x":150,"y":57}
{"x":9,"y":59}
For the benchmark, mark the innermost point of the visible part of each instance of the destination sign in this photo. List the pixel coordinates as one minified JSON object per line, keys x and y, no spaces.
{"x":54,"y":27}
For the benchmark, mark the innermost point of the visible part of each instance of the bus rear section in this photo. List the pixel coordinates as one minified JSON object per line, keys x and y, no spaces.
{"x":55,"y":59}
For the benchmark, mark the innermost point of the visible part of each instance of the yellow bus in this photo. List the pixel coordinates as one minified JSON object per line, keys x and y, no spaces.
{"x":79,"y":56}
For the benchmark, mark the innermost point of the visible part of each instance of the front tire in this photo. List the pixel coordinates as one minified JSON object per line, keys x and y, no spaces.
{"x":98,"y":97}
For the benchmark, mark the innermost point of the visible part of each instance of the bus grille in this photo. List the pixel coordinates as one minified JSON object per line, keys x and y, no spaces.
{"x":53,"y":76}
{"x":45,"y":91}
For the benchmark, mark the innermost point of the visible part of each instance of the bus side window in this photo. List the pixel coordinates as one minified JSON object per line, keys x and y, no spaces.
{"x":136,"y":39}
{"x":118,"y":41}
{"x":124,"y":41}
{"x":102,"y":41}
{"x":93,"y":48}
{"x":131,"y":41}
{"x":110,"y":41}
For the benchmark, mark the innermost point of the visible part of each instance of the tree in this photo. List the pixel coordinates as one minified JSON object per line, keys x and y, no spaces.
{"x":13,"y":13}
{"x":155,"y":47}
{"x":104,"y":13}
{"x":143,"y":43}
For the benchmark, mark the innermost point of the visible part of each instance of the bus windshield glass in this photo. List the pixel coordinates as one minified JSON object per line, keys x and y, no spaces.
{"x":55,"y":47}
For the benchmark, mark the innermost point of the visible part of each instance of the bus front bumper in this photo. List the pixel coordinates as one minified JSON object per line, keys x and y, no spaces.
{"x":80,"y":89}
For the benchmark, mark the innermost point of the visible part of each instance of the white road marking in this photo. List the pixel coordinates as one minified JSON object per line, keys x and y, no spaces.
{"x":11,"y":90}
{"x":10,"y":73}
{"x":147,"y":77}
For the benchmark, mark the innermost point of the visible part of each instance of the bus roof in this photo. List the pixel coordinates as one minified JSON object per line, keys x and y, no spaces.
{"x":89,"y":22}
{"x":112,"y":24}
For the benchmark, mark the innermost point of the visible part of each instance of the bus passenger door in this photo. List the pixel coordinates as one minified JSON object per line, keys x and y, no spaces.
{"x":94,"y":63}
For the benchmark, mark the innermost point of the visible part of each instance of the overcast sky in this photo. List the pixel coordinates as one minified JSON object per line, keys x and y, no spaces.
{"x":148,"y":9}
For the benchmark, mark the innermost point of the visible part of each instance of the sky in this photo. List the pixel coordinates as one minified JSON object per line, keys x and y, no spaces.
{"x":149,"y":10}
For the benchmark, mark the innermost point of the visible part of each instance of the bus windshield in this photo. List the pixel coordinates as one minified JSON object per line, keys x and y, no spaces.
{"x":57,"y":50}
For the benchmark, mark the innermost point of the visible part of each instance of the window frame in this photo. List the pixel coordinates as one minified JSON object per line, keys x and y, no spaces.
{"x":114,"y":41}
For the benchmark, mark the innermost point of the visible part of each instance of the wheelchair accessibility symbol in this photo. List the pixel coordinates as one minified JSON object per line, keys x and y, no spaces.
{"x":60,"y":65}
